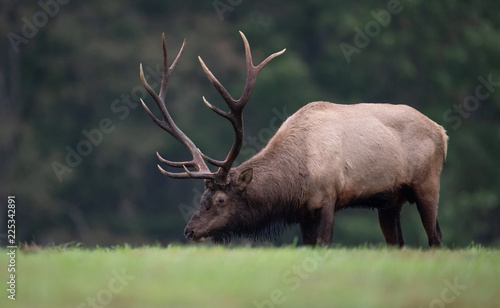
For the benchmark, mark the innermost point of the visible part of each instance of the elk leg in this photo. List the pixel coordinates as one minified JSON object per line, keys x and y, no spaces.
{"x":309,"y":230}
{"x":427,"y":205}
{"x":325,"y":228}
{"x":401,"y":238}
{"x":390,"y":223}
{"x":439,"y":235}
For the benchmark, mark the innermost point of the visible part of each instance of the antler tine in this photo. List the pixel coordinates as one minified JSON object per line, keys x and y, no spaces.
{"x":187,"y":174}
{"x":235,"y":114}
{"x":174,"y":163}
{"x":202,"y":170}
{"x":220,"y":88}
{"x":252,"y":71}
{"x":169,"y":71}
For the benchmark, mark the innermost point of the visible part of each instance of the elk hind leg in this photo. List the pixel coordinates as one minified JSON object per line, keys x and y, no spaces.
{"x":427,"y":198}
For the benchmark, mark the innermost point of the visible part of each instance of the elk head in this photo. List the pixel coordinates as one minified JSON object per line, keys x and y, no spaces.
{"x":224,"y":198}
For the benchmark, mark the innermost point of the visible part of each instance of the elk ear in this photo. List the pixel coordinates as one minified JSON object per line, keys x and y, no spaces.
{"x":244,"y":178}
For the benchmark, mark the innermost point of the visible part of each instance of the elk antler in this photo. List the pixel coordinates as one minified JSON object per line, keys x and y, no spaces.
{"x":203,"y":172}
{"x":235,"y":116}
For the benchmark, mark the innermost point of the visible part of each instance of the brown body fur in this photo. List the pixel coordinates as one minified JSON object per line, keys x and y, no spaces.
{"x":327,"y":157}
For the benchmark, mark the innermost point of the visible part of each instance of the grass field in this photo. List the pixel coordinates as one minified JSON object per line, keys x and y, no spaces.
{"x":191,"y":276}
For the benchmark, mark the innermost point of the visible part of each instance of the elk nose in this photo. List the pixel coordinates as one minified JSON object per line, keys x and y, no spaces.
{"x":189,"y":234}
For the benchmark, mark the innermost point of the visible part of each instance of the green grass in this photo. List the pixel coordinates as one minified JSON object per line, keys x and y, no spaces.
{"x":192,"y":276}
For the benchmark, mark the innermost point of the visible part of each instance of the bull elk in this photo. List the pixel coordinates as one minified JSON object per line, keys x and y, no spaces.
{"x":324,"y":158}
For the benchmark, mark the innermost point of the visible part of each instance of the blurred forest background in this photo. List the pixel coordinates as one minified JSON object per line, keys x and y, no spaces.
{"x":70,"y":69}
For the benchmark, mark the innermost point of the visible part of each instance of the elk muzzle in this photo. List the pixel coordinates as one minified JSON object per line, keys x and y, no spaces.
{"x":192,"y":235}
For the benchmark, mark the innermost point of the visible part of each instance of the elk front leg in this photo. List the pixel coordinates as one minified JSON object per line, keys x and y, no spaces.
{"x":309,"y":230}
{"x":317,"y":228}
{"x":325,"y":228}
{"x":390,"y":223}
